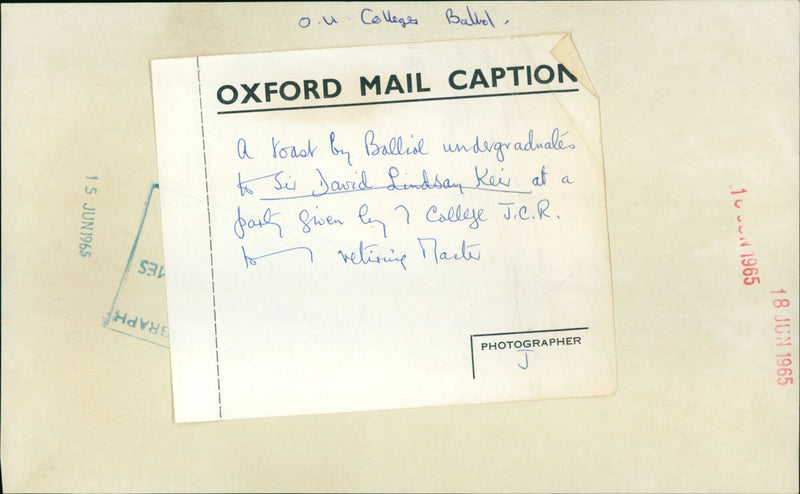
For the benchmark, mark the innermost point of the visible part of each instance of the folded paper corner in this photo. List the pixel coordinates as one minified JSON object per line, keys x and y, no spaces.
{"x":565,"y":52}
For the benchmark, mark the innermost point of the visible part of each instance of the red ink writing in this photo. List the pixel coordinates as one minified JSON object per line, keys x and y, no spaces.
{"x":748,"y":260}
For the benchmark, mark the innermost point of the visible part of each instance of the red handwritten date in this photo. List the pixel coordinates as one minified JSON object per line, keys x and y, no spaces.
{"x":748,"y":260}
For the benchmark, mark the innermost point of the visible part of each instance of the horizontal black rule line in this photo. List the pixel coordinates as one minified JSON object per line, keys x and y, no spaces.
{"x":528,"y":332}
{"x":417,"y":100}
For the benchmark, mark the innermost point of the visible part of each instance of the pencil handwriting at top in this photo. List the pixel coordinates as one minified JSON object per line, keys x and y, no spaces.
{"x":471,"y":18}
{"x":394,"y":19}
{"x":370,"y":18}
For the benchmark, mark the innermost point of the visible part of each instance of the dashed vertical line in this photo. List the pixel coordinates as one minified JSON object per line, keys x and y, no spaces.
{"x":210,"y":243}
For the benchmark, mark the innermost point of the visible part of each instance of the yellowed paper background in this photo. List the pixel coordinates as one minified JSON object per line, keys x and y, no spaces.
{"x":697,"y":100}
